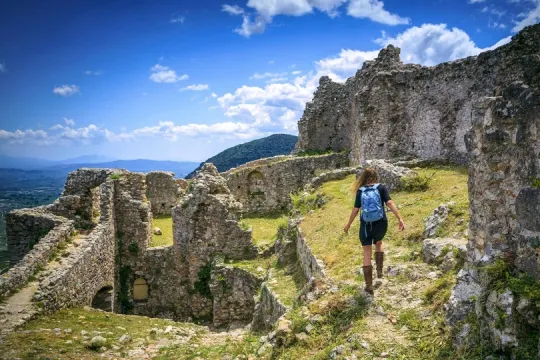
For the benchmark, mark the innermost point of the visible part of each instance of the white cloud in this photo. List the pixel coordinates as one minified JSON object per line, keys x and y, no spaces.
{"x":93,"y":72}
{"x":178,"y":20}
{"x":66,"y":90}
{"x":276,"y":80}
{"x":374,"y":10}
{"x":476,"y":1}
{"x":272,"y":62}
{"x":232,"y":9}
{"x":264,"y":11}
{"x":297,"y":72}
{"x":530,"y":18}
{"x":258,"y":76}
{"x":214,"y":95}
{"x":345,"y":64}
{"x":195,"y":87}
{"x":163,"y":74}
{"x":69,"y":122}
{"x":2,"y":68}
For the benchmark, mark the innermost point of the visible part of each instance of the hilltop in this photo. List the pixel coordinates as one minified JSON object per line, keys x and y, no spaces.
{"x":277,"y":144}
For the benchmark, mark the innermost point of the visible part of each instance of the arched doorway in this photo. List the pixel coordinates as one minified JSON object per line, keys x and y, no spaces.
{"x":103,"y":299}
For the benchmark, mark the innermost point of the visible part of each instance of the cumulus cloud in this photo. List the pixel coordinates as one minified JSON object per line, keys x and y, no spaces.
{"x":530,"y":18}
{"x":66,"y":90}
{"x":374,"y":10}
{"x":69,"y":122}
{"x":164,"y":74}
{"x":195,"y":87}
{"x":263,"y":12}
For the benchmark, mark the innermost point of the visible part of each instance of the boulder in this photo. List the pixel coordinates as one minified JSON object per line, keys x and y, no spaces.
{"x":437,"y":218}
{"x":434,"y":250}
{"x":157,"y":231}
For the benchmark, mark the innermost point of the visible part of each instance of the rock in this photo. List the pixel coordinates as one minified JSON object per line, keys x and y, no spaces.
{"x":302,"y":336}
{"x":463,"y":338}
{"x":124,"y":339}
{"x":433,"y":250}
{"x":264,"y":349}
{"x":437,"y":218}
{"x":98,"y":342}
{"x":338,"y":350}
{"x":463,"y":296}
{"x":84,"y":332}
{"x":309,"y":328}
{"x":168,"y":329}
{"x":157,"y":231}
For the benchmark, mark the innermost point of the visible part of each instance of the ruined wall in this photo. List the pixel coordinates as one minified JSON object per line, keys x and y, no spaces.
{"x":267,"y":311}
{"x":162,"y":191}
{"x":89,"y":268}
{"x":233,"y":291}
{"x":311,"y":266}
{"x":390,"y":109}
{"x":504,"y":198}
{"x":266,"y":186}
{"x":36,"y":259}
{"x":205,"y":225}
{"x":24,"y":230}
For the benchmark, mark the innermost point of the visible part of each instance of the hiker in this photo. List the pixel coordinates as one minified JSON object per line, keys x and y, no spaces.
{"x":371,"y":197}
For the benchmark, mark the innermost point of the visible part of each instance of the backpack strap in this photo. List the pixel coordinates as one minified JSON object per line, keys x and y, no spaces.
{"x":363,"y":188}
{"x":376,"y":186}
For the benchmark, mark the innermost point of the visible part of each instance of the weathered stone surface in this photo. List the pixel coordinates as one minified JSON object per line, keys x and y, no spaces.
{"x":163,"y":192}
{"x":311,"y":266}
{"x":433,"y":250}
{"x":464,"y":296}
{"x":265,"y":186}
{"x":233,"y":292}
{"x":337,"y":174}
{"x":501,"y":319}
{"x":391,"y":175}
{"x":390,"y":109}
{"x":437,"y":218}
{"x":267,"y":311}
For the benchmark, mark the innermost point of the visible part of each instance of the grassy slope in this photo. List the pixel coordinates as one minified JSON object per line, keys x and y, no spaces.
{"x":343,"y":253}
{"x":342,"y":321}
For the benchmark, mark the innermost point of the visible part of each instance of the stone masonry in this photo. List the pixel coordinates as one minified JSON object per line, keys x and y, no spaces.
{"x":391,"y":110}
{"x":163,"y":191}
{"x":265,"y":186}
{"x":504,"y":203}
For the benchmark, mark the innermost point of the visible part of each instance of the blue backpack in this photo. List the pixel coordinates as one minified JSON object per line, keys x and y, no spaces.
{"x":372,"y":209}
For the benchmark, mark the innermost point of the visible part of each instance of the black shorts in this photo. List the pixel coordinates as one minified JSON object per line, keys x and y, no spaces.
{"x":372,"y":232}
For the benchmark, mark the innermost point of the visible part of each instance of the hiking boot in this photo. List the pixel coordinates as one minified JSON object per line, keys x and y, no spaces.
{"x":368,"y":276}
{"x":379,"y":259}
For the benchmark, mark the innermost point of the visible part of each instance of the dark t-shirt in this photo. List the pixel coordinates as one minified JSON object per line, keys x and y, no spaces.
{"x":385,"y":197}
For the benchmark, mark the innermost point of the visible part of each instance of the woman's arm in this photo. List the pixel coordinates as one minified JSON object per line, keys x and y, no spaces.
{"x":354,"y":212}
{"x":394,"y":209}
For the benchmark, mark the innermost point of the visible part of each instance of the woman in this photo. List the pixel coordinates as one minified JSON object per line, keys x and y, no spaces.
{"x":373,"y":222}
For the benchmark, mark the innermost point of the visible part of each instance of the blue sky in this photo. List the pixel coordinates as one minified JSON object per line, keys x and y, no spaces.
{"x":183,"y":80}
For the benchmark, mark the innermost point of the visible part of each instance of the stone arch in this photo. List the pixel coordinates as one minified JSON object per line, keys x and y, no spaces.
{"x":103,"y":299}
{"x":140,"y":289}
{"x":256,"y":182}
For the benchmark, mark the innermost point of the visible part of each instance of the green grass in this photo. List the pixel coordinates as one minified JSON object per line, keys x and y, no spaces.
{"x":164,"y":222}
{"x":264,"y":228}
{"x":36,"y":343}
{"x":341,"y":252}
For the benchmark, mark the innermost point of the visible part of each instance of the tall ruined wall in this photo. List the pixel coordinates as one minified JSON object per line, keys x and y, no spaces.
{"x":504,"y":193}
{"x":162,"y":191}
{"x":390,"y":109}
{"x":266,"y":186}
{"x":89,"y":268}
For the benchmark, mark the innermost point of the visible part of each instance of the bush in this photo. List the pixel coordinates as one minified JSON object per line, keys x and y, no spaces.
{"x":416,"y":182}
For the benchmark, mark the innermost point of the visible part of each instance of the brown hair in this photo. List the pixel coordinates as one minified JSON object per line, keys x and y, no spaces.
{"x":368,"y":176}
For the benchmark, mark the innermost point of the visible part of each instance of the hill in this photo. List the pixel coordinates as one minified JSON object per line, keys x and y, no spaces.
{"x":277,"y":144}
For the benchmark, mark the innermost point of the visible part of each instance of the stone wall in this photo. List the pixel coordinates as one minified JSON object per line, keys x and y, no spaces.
{"x":36,"y":259}
{"x":162,"y":191}
{"x":389,"y":174}
{"x":89,"y":268}
{"x":390,"y":109}
{"x":267,"y":311}
{"x":233,"y":291}
{"x":266,"y":186}
{"x":311,"y":266}
{"x":24,"y":230}
{"x":504,"y":196}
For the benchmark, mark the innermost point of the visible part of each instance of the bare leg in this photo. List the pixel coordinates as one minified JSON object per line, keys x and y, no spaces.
{"x":378,"y":246}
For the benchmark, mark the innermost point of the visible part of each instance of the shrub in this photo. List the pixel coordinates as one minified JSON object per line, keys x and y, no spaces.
{"x":115,"y":176}
{"x":416,"y":182}
{"x":202,"y":286}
